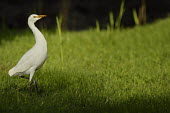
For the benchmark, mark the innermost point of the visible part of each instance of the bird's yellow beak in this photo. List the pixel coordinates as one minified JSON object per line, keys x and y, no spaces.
{"x":40,"y":16}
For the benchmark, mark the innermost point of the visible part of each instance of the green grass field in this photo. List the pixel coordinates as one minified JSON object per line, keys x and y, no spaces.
{"x":126,"y":71}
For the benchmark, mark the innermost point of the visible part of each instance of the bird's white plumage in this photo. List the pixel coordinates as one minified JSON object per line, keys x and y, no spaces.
{"x":36,"y":56}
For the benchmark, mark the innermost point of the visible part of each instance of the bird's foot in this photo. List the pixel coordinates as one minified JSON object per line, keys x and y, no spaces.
{"x":30,"y":85}
{"x":35,"y":84}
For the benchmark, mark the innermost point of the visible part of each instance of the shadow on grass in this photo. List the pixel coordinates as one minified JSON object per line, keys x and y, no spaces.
{"x":9,"y":35}
{"x":73,"y":92}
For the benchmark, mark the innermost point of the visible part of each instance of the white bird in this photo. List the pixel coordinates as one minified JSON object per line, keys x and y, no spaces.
{"x":35,"y":57}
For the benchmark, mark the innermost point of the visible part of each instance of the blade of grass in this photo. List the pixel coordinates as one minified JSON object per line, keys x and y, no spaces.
{"x":122,"y":10}
{"x":59,"y":21}
{"x":135,"y":17}
{"x":97,"y":26}
{"x":111,"y":19}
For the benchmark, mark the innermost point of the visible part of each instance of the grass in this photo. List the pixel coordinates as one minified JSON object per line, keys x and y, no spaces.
{"x":119,"y":19}
{"x":97,"y":26}
{"x":59,"y":21}
{"x":123,"y":71}
{"x":135,"y":17}
{"x":111,"y":20}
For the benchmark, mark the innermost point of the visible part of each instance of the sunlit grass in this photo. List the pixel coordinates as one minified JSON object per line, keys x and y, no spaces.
{"x":123,"y":71}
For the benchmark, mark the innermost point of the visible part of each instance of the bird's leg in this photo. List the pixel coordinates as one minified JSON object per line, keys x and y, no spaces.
{"x":31,"y":79}
{"x":24,"y":77}
{"x":29,"y":84}
{"x":35,"y":83}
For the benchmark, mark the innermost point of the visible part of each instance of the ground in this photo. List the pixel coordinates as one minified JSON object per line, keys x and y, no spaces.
{"x":121,"y":71}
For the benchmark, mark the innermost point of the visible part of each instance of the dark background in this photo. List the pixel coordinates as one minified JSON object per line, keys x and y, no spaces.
{"x":77,"y":14}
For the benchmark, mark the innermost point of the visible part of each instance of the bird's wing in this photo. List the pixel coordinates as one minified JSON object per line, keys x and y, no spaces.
{"x":27,"y":56}
{"x":22,"y":67}
{"x":25,"y":62}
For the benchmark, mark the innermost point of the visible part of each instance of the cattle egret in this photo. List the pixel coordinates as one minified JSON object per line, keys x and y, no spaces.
{"x":35,"y":57}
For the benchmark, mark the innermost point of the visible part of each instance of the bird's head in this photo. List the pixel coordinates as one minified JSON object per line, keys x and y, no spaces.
{"x":34,"y":17}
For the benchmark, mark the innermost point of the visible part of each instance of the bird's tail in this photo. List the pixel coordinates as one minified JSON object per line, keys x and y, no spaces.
{"x":11,"y":72}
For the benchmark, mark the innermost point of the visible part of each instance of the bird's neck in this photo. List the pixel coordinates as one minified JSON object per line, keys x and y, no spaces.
{"x":39,"y":38}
